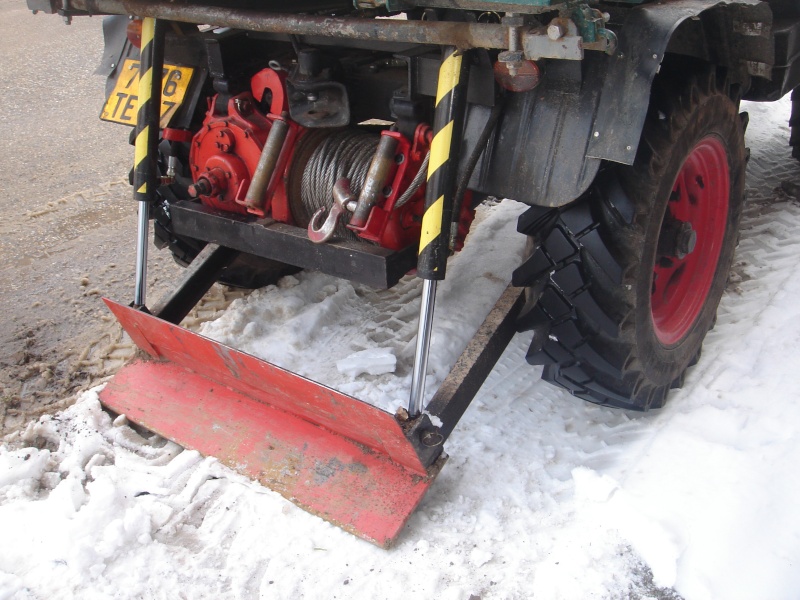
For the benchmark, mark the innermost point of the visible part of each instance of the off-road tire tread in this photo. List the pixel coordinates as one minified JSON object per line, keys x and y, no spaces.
{"x":794,"y":124}
{"x":584,"y":259}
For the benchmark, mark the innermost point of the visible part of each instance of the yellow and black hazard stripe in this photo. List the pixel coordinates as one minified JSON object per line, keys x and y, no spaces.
{"x":149,"y":114}
{"x":448,"y":125}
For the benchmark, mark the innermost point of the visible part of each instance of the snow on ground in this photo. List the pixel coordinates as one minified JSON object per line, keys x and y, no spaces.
{"x":544,"y":495}
{"x":326,"y":328}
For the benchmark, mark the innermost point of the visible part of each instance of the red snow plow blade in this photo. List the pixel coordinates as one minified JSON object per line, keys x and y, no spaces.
{"x":331,"y":454}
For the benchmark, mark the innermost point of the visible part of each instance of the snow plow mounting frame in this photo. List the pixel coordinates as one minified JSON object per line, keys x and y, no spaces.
{"x":346,"y":461}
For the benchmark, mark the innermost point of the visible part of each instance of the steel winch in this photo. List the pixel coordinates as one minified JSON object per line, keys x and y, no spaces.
{"x":357,"y":183}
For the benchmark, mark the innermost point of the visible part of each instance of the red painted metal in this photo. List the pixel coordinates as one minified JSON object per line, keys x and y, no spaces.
{"x":395,"y":227}
{"x":176,"y":135}
{"x":275,"y":82}
{"x":526,"y":77}
{"x":699,"y":197}
{"x":335,"y":456}
{"x":385,"y":226}
{"x":134,"y":32}
{"x":226,"y":150}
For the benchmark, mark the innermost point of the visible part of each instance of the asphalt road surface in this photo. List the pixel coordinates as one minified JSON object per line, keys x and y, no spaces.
{"x":67,"y":217}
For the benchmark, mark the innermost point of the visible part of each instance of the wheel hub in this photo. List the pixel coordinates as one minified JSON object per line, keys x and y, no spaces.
{"x":690,"y":241}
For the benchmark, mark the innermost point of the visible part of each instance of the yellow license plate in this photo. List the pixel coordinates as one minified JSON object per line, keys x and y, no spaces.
{"x":123,"y":103}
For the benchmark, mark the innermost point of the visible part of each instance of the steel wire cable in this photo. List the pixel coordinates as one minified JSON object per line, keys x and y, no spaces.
{"x":335,"y":155}
{"x":416,"y":183}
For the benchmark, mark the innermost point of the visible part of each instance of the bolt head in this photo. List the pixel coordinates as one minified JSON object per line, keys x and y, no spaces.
{"x":555,"y":31}
{"x":685,"y":240}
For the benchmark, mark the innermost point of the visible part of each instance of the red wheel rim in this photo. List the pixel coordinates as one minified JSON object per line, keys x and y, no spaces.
{"x":699,"y":199}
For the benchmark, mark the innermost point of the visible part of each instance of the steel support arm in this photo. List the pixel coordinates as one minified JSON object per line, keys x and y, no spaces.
{"x":461,"y":35}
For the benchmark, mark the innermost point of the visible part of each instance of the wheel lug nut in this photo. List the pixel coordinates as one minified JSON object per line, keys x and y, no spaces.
{"x":685,"y":240}
{"x":677,"y":240}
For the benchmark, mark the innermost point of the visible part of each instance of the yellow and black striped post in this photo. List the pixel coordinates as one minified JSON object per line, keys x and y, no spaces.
{"x":149,"y":113}
{"x":451,"y":102}
{"x":448,"y":128}
{"x":145,"y":169}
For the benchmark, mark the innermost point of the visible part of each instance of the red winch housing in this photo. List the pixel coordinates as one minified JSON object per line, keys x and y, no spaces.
{"x":226,"y":150}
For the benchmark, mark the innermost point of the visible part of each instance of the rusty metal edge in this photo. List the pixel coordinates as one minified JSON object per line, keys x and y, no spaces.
{"x":461,"y":35}
{"x":476,"y":362}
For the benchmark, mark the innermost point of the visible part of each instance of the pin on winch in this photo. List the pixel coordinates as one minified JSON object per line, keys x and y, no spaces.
{"x":267,"y":163}
{"x":344,"y":201}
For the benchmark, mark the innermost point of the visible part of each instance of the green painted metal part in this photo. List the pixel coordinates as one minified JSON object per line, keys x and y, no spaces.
{"x":591,"y":24}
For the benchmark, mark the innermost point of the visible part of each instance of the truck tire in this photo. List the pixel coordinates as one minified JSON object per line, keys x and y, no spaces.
{"x":624,"y":283}
{"x":794,"y":124}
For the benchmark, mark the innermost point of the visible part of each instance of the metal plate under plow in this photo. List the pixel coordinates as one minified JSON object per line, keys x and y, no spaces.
{"x":331,"y":454}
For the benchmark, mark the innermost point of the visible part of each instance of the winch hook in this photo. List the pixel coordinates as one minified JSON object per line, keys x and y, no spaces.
{"x":343,"y":201}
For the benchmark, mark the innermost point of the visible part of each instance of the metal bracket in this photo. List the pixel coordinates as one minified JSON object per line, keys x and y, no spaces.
{"x":560,"y":41}
{"x":592,"y":25}
{"x":566,"y":37}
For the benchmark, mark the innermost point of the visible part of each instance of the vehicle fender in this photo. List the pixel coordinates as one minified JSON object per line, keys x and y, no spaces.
{"x":743,"y":36}
{"x":116,"y":48}
{"x":551,"y":141}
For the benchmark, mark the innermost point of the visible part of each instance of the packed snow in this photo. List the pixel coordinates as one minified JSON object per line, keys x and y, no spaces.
{"x":544,"y":496}
{"x":374,"y":361}
{"x":331,"y":330}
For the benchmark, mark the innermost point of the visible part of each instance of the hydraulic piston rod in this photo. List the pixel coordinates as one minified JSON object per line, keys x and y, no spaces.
{"x":145,"y":171}
{"x":434,"y":247}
